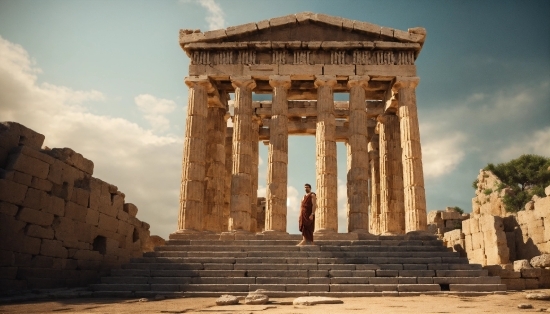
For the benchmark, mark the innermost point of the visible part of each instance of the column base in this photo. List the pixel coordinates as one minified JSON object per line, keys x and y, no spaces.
{"x":363,"y":234}
{"x":274,"y":235}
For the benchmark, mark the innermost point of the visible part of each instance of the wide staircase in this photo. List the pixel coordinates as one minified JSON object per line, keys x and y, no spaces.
{"x":381,"y":266}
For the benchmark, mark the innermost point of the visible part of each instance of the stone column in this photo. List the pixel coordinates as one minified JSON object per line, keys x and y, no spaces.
{"x":277,"y":162}
{"x":392,"y":213}
{"x":358,"y":156}
{"x":227,"y":180}
{"x":193,"y":164}
{"x":413,"y":174}
{"x":215,"y":169}
{"x":375,"y":185}
{"x":326,"y":215}
{"x":254,"y":172}
{"x":241,"y":181}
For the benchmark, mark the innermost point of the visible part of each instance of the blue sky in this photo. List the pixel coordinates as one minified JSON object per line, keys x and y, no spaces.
{"x":106,"y":79}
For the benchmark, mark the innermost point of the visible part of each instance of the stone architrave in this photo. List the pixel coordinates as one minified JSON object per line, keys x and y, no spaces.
{"x":277,"y":164}
{"x":326,"y":214}
{"x":358,"y":156}
{"x":254,"y":173}
{"x":214,"y":197}
{"x":413,"y":174}
{"x":241,"y":177}
{"x":375,"y":185}
{"x":392,"y":216}
{"x":193,"y":164}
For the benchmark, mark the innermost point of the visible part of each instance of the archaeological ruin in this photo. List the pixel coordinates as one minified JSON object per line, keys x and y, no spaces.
{"x":302,"y":60}
{"x":62,"y":227}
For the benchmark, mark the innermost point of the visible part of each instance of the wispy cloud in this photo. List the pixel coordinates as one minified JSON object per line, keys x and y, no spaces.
{"x":215,"y":17}
{"x":155,"y":110}
{"x":124,"y":153}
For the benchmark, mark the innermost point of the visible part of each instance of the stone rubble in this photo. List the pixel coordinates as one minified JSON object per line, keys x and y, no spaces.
{"x":316,"y":300}
{"x":227,"y":299}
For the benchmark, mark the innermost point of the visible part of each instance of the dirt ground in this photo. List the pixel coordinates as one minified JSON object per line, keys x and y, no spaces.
{"x":507,"y":303}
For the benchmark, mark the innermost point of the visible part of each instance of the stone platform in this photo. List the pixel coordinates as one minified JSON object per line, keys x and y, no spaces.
{"x":381,"y":266}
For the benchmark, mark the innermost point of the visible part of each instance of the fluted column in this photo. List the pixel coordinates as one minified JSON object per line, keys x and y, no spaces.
{"x":358,"y":157}
{"x":228,"y":173}
{"x":277,"y":162}
{"x":391,"y":177}
{"x":241,"y":181}
{"x":254,"y":172}
{"x":326,"y":215}
{"x":375,"y":185}
{"x":413,"y":173}
{"x":215,"y":169}
{"x":193,"y":163}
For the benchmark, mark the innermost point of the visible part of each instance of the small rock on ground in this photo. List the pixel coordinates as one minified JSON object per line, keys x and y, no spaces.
{"x":256,"y":298}
{"x":541,"y":261}
{"x":525,"y":306}
{"x":227,"y":299}
{"x":537,"y":296}
{"x":316,"y":300}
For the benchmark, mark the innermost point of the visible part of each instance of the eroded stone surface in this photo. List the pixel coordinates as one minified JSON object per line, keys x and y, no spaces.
{"x":227,"y":299}
{"x":316,"y":300}
{"x":541,"y":261}
{"x":256,"y":298}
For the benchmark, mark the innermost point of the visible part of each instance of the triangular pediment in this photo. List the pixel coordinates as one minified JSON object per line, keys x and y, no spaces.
{"x":304,"y":27}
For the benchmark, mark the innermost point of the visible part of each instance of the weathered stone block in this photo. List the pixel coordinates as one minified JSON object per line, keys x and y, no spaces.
{"x":108,"y":223}
{"x":75,"y":211}
{"x":80,"y":197}
{"x":53,"y":248}
{"x":531,"y":272}
{"x":477,"y":240}
{"x":131,"y":209}
{"x":92,"y":217}
{"x":41,"y":184}
{"x":88,"y":255}
{"x":122,"y":215}
{"x":28,"y":165}
{"x":6,"y":258}
{"x":514,"y":284}
{"x":63,"y":228}
{"x":33,"y":198}
{"x":466,"y":227}
{"x":39,"y":232}
{"x":40,"y":261}
{"x":22,"y":178}
{"x":12,"y":192}
{"x":35,"y":217}
{"x":54,"y":205}
{"x":8,"y":209}
{"x":72,"y":158}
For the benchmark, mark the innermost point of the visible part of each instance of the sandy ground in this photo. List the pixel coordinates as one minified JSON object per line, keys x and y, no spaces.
{"x":419,"y":304}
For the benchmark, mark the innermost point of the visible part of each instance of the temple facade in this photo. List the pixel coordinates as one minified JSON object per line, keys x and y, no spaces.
{"x":302,"y":60}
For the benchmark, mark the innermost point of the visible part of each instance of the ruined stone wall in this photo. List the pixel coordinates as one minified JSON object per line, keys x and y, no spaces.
{"x":496,"y":239}
{"x":59,"y":226}
{"x":440,"y":222}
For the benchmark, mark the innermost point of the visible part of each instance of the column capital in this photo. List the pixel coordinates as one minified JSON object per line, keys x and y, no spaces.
{"x":405,"y":82}
{"x":243,"y":82}
{"x":325,"y":80}
{"x":280,"y":81}
{"x":201,"y":80}
{"x":357,"y":80}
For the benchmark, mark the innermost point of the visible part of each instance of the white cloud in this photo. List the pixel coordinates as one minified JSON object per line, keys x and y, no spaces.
{"x":442,"y":150}
{"x":145,"y":166}
{"x":154,"y":110}
{"x":215,"y":17}
{"x":536,"y":143}
{"x":293,"y":209}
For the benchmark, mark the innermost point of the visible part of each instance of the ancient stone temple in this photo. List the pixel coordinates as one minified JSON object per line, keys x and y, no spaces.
{"x":302,"y":60}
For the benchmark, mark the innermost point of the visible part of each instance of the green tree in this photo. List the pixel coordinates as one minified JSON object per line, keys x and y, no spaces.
{"x":527,"y":175}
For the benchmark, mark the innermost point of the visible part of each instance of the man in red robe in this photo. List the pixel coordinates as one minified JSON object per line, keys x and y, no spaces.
{"x":306,"y":221}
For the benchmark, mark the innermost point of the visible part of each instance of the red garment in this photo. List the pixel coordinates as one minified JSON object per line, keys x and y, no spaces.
{"x":306,"y":225}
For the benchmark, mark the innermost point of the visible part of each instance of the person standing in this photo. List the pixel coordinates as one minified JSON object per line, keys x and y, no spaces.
{"x":306,"y":221}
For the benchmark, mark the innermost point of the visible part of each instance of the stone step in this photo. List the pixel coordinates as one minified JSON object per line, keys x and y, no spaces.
{"x":338,"y":271}
{"x":339,"y":243}
{"x":180,"y":254}
{"x":293,"y":248}
{"x":297,"y":287}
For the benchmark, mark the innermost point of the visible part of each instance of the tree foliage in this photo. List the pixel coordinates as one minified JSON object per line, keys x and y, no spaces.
{"x":527,"y":175}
